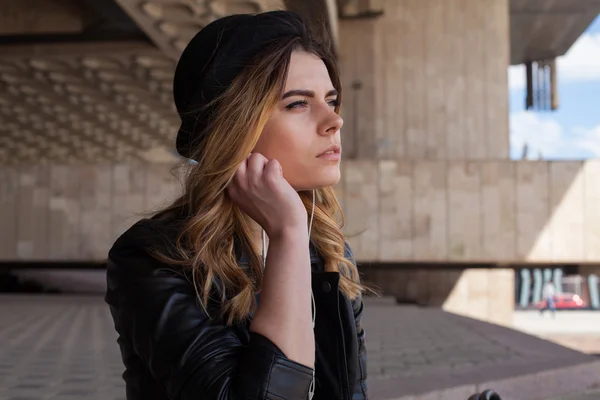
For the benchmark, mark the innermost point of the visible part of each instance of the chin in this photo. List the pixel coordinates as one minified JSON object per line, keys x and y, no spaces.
{"x":318,"y":180}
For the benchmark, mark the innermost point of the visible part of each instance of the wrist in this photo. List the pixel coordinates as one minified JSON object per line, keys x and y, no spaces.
{"x":292,"y":233}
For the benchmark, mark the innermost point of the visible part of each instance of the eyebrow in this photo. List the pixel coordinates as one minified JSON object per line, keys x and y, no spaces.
{"x":307,"y":93}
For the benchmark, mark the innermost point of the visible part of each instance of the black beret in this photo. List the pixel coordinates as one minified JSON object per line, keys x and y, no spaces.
{"x":214,"y":57}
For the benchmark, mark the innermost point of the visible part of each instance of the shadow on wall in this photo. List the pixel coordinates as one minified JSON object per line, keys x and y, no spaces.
{"x":486,"y":294}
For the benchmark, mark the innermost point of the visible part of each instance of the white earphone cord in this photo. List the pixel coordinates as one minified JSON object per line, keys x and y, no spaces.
{"x":311,"y":390}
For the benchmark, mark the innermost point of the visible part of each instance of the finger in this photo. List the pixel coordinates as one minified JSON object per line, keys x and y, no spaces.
{"x":256,"y":165}
{"x":273,"y":171}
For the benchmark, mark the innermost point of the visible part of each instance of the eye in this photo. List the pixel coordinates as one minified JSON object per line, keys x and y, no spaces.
{"x":334,"y":103}
{"x":297,"y":104}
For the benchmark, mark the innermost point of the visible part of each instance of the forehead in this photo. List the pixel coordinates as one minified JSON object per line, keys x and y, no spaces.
{"x":307,"y":71}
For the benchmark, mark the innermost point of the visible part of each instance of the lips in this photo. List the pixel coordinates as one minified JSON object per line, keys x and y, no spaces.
{"x":331,"y":150}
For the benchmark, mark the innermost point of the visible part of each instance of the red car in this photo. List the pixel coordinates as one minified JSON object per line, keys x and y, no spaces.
{"x":565,"y":301}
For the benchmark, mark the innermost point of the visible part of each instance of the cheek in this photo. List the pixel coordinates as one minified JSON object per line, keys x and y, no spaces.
{"x":288,"y":144}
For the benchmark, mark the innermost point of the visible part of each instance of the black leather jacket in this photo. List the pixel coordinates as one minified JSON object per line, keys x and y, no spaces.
{"x":171,"y":350}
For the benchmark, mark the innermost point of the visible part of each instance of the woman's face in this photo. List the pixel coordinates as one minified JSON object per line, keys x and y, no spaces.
{"x":303,"y":133}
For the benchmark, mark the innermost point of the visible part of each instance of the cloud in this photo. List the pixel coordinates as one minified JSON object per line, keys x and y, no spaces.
{"x":589,"y":139}
{"x":580,"y":63}
{"x":547,"y":138}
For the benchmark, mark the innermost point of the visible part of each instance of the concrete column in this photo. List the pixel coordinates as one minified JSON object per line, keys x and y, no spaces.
{"x":427,"y":81}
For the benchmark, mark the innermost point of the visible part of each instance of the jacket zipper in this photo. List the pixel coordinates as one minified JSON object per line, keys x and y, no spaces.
{"x":311,"y":389}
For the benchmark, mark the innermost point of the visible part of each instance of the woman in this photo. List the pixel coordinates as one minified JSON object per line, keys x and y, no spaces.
{"x":244,"y":288}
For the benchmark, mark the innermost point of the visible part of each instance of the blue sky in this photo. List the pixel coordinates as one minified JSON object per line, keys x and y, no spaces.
{"x":572,"y":131}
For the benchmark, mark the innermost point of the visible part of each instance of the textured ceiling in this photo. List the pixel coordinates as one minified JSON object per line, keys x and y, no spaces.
{"x":95,"y":101}
{"x":84,"y":102}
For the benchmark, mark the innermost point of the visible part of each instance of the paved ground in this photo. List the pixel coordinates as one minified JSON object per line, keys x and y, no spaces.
{"x":63,"y":347}
{"x":578,"y":330}
{"x":564,"y":322}
{"x":427,"y":349}
{"x":57,"y":348}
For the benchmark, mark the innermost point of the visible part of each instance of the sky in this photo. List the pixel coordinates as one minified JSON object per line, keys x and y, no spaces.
{"x":572,"y":132}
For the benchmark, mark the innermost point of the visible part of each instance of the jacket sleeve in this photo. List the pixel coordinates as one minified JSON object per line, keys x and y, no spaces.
{"x":156,"y":313}
{"x":360,"y":387}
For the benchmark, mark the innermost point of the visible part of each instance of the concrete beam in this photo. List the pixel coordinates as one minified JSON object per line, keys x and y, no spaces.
{"x":360,"y":8}
{"x":546,"y":29}
{"x":27,"y":17}
{"x":320,"y":13}
{"x":170,"y":25}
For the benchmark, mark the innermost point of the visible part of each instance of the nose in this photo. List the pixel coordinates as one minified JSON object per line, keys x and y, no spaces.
{"x":331,"y":124}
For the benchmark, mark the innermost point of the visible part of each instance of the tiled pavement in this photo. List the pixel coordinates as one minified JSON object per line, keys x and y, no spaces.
{"x":58,"y":348}
{"x":63,"y":347}
{"x":414,"y":350}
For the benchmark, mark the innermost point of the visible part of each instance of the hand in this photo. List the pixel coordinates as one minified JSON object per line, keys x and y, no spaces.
{"x":260,"y":190}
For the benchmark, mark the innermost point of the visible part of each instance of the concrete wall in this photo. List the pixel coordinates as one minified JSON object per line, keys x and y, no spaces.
{"x":427,"y":81}
{"x":474,"y":211}
{"x":75,"y":212}
{"x":421,"y":211}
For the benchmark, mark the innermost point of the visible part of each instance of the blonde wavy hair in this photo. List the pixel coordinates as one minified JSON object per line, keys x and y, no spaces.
{"x":212,"y":222}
